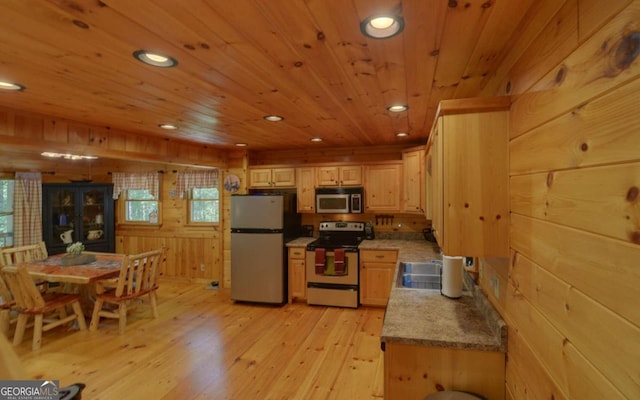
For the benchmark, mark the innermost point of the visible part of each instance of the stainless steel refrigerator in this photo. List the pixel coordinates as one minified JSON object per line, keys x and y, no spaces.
{"x":261,"y":224}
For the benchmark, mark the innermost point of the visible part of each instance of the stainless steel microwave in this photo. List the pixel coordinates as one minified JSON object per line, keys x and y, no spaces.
{"x":347,"y":200}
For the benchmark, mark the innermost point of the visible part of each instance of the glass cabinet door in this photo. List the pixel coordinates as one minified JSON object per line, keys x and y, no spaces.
{"x":63,"y":214}
{"x":93,"y":215}
{"x":78,"y":212}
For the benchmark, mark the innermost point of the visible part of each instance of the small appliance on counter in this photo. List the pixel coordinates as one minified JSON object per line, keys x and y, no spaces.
{"x":451,"y":280}
{"x":368,"y":231}
{"x":307,"y":230}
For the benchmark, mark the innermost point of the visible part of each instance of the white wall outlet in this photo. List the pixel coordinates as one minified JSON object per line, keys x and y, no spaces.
{"x":202,"y":267}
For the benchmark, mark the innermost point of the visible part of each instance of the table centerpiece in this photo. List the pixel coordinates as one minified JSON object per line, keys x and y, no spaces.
{"x":74,"y":255}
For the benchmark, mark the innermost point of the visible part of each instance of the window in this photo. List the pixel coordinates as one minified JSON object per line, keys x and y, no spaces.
{"x":141,"y":206}
{"x":204,"y":205}
{"x":6,"y":212}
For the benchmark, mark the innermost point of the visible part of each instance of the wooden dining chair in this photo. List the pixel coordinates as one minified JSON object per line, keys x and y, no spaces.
{"x":20,"y":254}
{"x":7,"y":309}
{"x":49,"y":309}
{"x":137,"y":279}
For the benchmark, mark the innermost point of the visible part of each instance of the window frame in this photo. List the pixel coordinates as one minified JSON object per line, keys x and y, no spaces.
{"x":122,"y":210}
{"x":11,"y":214}
{"x":189,"y":200}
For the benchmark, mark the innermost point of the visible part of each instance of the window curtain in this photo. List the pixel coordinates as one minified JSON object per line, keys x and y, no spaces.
{"x":196,"y":179}
{"x":27,"y":208}
{"x":136,"y":180}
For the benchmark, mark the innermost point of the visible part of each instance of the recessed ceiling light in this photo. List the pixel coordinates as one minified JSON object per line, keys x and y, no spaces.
{"x":316,"y":139}
{"x":382,"y":26}
{"x":10,"y":86}
{"x":241,"y":145}
{"x":398,"y":108}
{"x":402,"y":134}
{"x":155,"y":59}
{"x":273,"y":118}
{"x":169,"y":127}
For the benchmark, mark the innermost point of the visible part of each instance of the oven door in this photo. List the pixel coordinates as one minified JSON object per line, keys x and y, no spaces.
{"x":327,"y":274}
{"x":326,"y":288}
{"x":332,"y":203}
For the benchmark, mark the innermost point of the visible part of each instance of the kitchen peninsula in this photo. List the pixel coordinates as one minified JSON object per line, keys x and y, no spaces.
{"x":435,"y":343}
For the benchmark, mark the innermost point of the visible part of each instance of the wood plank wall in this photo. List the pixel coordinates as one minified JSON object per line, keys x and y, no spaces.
{"x":188,"y":248}
{"x":568,"y":292}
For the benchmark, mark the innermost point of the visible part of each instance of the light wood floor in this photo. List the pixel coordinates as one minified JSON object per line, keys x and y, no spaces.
{"x":205,"y":346}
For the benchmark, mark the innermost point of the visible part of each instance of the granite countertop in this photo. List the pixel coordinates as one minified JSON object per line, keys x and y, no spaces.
{"x":422,"y":317}
{"x":300,"y":242}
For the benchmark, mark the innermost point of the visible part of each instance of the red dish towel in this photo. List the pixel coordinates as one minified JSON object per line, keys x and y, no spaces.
{"x":338,"y":261}
{"x":320,"y":261}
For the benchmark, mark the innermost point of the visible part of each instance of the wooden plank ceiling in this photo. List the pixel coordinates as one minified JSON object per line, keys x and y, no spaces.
{"x":241,"y":60}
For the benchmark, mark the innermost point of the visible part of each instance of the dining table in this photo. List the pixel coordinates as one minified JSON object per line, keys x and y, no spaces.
{"x":52,"y":269}
{"x":79,"y":278}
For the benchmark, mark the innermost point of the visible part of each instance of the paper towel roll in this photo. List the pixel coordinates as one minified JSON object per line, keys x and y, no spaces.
{"x":452,"y":276}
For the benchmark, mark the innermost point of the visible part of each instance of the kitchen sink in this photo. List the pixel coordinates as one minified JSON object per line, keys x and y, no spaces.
{"x":420,"y":275}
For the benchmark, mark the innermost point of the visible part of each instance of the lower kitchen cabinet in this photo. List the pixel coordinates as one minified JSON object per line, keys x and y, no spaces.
{"x":297,"y":274}
{"x":415,"y":371}
{"x":377,"y":271}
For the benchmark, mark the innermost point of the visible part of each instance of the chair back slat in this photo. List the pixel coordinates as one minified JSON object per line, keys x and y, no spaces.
{"x":21,"y":254}
{"x":5,"y":294}
{"x":139,"y":274}
{"x":24,"y":290}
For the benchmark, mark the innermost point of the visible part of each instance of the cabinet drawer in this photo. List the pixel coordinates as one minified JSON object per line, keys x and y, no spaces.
{"x":379,"y":255}
{"x":297,"y":252}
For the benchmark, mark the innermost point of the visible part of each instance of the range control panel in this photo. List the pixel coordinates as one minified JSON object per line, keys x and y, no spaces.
{"x":341,"y":226}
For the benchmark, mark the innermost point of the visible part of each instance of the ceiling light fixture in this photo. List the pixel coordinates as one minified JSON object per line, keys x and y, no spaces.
{"x":68,"y":156}
{"x":316,"y":139}
{"x":11,"y":86}
{"x":169,"y":127}
{"x":155,"y":59}
{"x":241,"y":145}
{"x":398,"y":108}
{"x":273,"y":118}
{"x":382,"y":26}
{"x":402,"y":134}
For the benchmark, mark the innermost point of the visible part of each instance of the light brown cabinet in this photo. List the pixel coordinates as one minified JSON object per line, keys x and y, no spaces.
{"x":469,"y":165}
{"x":413,"y":371}
{"x":428,"y":187}
{"x":272,"y":177}
{"x":297,"y":274}
{"x":377,"y":271}
{"x":306,"y":189}
{"x":347,"y":175}
{"x":414,"y":181}
{"x":383,"y":187}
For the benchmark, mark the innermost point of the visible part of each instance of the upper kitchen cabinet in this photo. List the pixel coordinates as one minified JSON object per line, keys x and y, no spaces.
{"x":347,"y":175}
{"x":78,"y":212}
{"x":469,"y":177}
{"x":306,"y":189}
{"x":414,"y":181}
{"x":382,"y":187}
{"x":272,"y":177}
